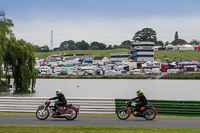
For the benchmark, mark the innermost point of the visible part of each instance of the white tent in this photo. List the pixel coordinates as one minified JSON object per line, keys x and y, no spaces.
{"x":186,"y":47}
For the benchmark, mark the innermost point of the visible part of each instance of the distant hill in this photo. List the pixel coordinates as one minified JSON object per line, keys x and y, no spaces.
{"x":162,"y":54}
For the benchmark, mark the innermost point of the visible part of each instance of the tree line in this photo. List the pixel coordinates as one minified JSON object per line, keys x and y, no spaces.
{"x":146,"y":34}
{"x":82,"y":45}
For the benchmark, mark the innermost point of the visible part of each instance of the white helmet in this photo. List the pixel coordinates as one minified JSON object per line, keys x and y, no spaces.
{"x":58,"y":91}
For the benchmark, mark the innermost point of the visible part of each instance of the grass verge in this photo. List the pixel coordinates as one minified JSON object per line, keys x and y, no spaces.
{"x":94,"y":129}
{"x":182,"y":76}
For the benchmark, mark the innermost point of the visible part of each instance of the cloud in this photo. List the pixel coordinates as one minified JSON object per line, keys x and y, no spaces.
{"x":106,"y":30}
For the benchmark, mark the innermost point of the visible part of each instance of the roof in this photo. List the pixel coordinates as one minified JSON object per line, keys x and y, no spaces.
{"x":143,"y":42}
{"x":98,"y":58}
{"x":88,"y":59}
{"x":188,"y":46}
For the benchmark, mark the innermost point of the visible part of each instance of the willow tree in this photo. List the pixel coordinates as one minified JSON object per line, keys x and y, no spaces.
{"x":5,"y":34}
{"x":17,"y":55}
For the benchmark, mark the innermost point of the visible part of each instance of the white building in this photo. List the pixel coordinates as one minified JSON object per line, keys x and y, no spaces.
{"x":142,"y":51}
{"x":118,"y":57}
{"x":101,"y":60}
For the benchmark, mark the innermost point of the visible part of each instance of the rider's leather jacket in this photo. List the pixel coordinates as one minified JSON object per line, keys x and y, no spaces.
{"x":141,"y":99}
{"x":61,"y":98}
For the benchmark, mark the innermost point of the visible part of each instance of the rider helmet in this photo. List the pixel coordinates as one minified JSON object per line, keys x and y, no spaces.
{"x":138,"y":92}
{"x":58,"y":91}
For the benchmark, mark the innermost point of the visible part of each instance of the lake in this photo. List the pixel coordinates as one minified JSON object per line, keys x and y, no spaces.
{"x":117,"y":88}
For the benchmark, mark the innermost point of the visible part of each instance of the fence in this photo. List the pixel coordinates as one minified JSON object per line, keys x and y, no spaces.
{"x":30,"y":104}
{"x":170,"y":107}
{"x":100,"y":105}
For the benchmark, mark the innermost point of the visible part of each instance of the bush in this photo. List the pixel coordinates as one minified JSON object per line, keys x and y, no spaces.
{"x":4,"y":86}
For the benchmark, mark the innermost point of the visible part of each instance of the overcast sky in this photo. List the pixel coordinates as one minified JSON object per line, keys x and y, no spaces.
{"x":106,"y":21}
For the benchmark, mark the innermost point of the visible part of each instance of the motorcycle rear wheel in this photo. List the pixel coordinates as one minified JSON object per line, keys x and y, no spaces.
{"x":149,"y":114}
{"x":122,"y":114}
{"x":73,"y":114}
{"x":42,"y":115}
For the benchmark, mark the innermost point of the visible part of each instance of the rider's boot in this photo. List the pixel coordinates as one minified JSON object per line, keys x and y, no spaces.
{"x":136,"y":113}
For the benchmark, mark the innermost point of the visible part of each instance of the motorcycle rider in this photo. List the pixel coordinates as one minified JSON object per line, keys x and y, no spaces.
{"x":142,"y":101}
{"x":61,"y":100}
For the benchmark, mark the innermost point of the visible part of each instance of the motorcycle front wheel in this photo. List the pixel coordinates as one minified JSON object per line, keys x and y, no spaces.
{"x":122,"y":114}
{"x":149,"y":114}
{"x":42,"y":114}
{"x":73,"y":113}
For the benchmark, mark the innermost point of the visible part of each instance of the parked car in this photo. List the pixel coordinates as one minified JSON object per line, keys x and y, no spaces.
{"x":147,"y":71}
{"x":183,"y":70}
{"x":172,"y":71}
{"x":110,"y":73}
{"x":156,"y":71}
{"x":46,"y":71}
{"x":179,"y":67}
{"x":135,"y":71}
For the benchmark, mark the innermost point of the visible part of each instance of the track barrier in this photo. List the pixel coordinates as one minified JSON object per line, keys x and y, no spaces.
{"x":170,"y":107}
{"x":100,"y":105}
{"x":30,"y":104}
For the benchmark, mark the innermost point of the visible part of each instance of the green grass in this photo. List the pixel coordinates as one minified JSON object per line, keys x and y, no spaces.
{"x":170,"y":54}
{"x":175,"y":55}
{"x":182,"y":76}
{"x":94,"y":129}
{"x":91,"y":53}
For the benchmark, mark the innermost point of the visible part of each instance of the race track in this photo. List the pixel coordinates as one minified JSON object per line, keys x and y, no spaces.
{"x":19,"y":120}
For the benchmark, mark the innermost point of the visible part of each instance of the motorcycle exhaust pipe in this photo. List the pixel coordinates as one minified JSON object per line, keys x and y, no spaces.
{"x":65,"y":115}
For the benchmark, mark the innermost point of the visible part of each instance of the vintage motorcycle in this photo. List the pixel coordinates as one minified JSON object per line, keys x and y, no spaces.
{"x":67,"y":111}
{"x":148,"y":112}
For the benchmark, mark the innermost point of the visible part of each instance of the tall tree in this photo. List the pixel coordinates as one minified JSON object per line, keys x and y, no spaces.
{"x":125,"y":44}
{"x":146,"y":34}
{"x":73,"y":47}
{"x":97,"y":45}
{"x":5,"y":34}
{"x":102,"y":46}
{"x":44,"y":48}
{"x":115,"y":46}
{"x":82,"y":45}
{"x":18,"y":56}
{"x":109,"y":47}
{"x":94,"y":47}
{"x":159,"y":43}
{"x":176,"y":36}
{"x":178,"y":41}
{"x":66,"y":44}
{"x":36,"y":48}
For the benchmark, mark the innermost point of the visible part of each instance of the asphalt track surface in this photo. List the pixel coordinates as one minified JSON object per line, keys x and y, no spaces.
{"x":19,"y":120}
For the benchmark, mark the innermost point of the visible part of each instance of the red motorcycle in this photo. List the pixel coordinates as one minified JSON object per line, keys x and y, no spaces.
{"x":148,"y":111}
{"x":67,"y":111}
